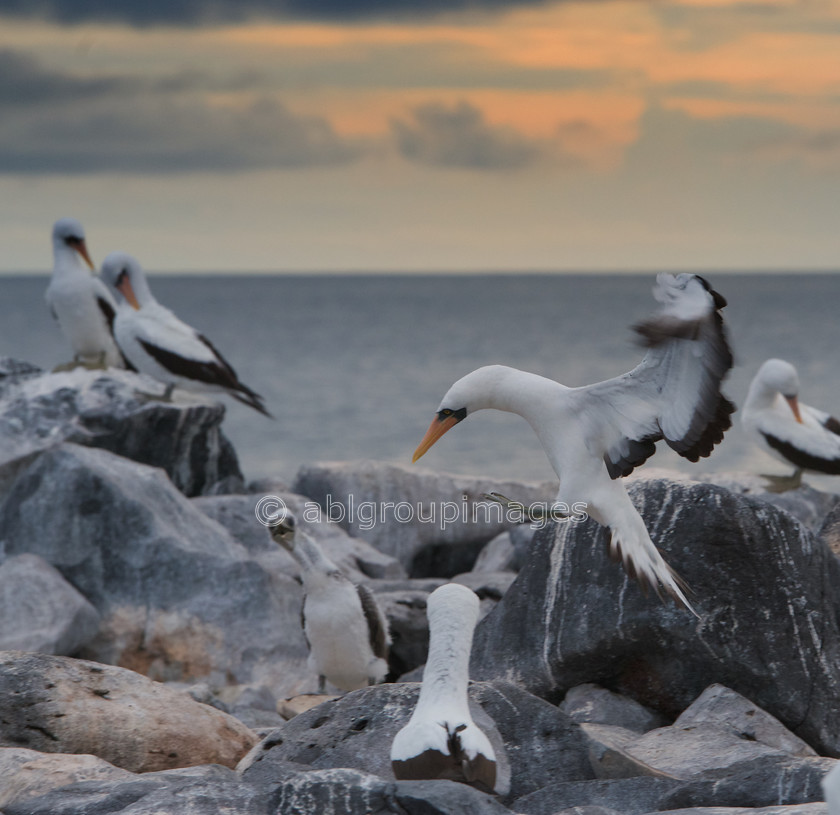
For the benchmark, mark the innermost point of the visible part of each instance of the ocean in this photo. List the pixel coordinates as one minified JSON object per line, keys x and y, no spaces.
{"x":354,"y":366}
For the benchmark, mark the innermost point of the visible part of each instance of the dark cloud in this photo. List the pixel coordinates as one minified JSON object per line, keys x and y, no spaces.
{"x":200,"y":12}
{"x":459,"y":136}
{"x":62,"y":123}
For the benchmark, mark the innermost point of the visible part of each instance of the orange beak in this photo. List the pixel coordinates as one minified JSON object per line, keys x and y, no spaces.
{"x":81,"y":248}
{"x":436,"y":429}
{"x":125,"y":289}
{"x":794,"y":406}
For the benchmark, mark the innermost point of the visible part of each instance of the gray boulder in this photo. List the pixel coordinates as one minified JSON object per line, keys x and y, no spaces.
{"x":535,"y":743}
{"x":40,"y":610}
{"x":508,"y":551}
{"x":106,"y":410}
{"x":61,"y":705}
{"x":592,"y":703}
{"x":763,"y":586}
{"x":180,"y":600}
{"x":433,"y":523}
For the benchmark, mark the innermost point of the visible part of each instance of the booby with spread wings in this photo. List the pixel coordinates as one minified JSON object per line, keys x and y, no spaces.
{"x":79,"y":300}
{"x":593,"y":435}
{"x":786,"y":428}
{"x":157,"y":343}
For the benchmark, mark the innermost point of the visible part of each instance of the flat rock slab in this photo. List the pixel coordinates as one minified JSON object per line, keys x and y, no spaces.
{"x":720,"y":705}
{"x":106,"y":409}
{"x":40,"y":610}
{"x":206,"y":790}
{"x":61,"y":705}
{"x":438,"y":508}
{"x":26,"y":774}
{"x":763,"y":586}
{"x":535,"y":743}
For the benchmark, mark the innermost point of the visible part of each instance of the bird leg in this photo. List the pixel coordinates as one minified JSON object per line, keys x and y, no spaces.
{"x":535,"y":514}
{"x":322,"y":684}
{"x":783,"y":483}
{"x":97,"y":364}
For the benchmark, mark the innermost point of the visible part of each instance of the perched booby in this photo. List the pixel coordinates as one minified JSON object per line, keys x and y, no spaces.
{"x":441,"y":740}
{"x":79,"y":301}
{"x":346,"y":630}
{"x":787,"y":429}
{"x":157,"y":343}
{"x":593,"y":435}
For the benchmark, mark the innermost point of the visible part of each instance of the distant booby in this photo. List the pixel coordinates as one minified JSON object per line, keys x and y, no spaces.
{"x":787,"y":429}
{"x":79,"y":301}
{"x":593,"y":435}
{"x":157,"y":343}
{"x":346,"y":630}
{"x":441,"y":740}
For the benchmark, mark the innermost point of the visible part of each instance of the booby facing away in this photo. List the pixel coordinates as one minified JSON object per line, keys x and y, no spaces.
{"x":346,"y":630}
{"x":79,"y":301}
{"x":157,"y":343}
{"x":441,"y":740}
{"x":593,"y":435}
{"x":791,"y":431}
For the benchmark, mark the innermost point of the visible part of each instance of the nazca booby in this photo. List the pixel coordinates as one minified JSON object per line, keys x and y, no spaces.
{"x":79,"y":300}
{"x":157,"y":343}
{"x":345,"y":628}
{"x":593,"y":435}
{"x":441,"y":740}
{"x":786,"y":428}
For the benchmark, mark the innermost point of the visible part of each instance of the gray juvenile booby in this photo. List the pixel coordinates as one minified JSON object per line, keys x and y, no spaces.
{"x":593,"y":435}
{"x":346,"y":630}
{"x":79,"y":301}
{"x":790,"y":431}
{"x":441,"y":740}
{"x":157,"y":343}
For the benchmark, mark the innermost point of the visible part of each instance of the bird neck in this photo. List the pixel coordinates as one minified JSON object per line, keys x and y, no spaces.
{"x":519,"y":392}
{"x":313,"y":562}
{"x":446,"y":675}
{"x":760,"y":395}
{"x":67,"y":261}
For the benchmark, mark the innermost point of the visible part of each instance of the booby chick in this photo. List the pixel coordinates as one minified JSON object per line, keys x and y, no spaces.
{"x":345,"y":629}
{"x":79,"y":301}
{"x":786,"y":428}
{"x":157,"y":343}
{"x":593,"y":435}
{"x":441,"y":740}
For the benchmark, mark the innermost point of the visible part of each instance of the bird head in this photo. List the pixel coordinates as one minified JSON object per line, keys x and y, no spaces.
{"x":283,"y":532}
{"x":477,"y":390}
{"x":781,"y":376}
{"x":68,"y":232}
{"x":124,"y":277}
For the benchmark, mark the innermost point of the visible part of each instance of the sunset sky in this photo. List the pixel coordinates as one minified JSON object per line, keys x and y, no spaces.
{"x":424,"y":135}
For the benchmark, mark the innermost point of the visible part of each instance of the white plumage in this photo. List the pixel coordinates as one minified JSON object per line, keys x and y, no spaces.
{"x":79,"y":301}
{"x":594,"y":434}
{"x":786,"y":428}
{"x":441,"y":740}
{"x":346,"y":630}
{"x":157,"y":343}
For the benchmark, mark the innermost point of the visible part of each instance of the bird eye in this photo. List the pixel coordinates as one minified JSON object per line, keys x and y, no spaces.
{"x":446,"y":412}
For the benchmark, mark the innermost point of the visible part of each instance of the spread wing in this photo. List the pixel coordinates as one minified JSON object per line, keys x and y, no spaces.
{"x":674,"y":393}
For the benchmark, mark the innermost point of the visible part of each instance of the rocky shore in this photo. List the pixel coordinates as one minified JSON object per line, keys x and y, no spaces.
{"x":152,"y":660}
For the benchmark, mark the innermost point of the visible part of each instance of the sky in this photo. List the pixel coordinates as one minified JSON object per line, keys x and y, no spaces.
{"x":423,"y":135}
